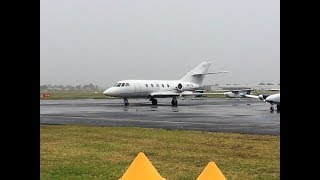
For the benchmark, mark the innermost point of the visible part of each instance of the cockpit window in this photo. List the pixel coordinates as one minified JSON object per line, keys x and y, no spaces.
{"x":167,"y":85}
{"x":122,"y":84}
{"x":118,"y":85}
{"x":127,"y":84}
{"x":146,"y":85}
{"x":162,"y":85}
{"x":151,"y":85}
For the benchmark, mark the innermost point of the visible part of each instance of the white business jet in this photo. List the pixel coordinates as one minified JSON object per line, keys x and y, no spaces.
{"x":237,"y":93}
{"x":272,"y":99}
{"x":153,"y":89}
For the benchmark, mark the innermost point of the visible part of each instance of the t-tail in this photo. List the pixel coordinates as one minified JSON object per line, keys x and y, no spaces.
{"x":197,"y":74}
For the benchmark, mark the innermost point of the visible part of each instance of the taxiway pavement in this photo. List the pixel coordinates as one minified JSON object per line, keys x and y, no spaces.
{"x":246,"y":115}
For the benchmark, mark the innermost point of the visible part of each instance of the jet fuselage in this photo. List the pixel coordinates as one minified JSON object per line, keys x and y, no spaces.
{"x":145,"y":88}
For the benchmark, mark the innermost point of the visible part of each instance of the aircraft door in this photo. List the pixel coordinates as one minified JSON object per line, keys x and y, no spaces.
{"x":137,"y":88}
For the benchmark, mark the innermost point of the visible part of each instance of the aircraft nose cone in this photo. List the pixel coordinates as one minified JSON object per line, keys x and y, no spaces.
{"x":260,"y":97}
{"x":270,"y":99}
{"x":107,"y":92}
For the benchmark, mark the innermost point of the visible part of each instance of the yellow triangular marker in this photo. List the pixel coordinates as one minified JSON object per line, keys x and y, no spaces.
{"x":211,"y":172}
{"x":141,"y":169}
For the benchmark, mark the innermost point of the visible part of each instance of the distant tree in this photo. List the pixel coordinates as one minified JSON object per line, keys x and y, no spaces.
{"x":69,"y":87}
{"x":43,"y":88}
{"x":90,"y":87}
{"x":60,"y":87}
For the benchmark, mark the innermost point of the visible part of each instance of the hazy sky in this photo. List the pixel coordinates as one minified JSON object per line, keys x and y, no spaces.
{"x":103,"y":41}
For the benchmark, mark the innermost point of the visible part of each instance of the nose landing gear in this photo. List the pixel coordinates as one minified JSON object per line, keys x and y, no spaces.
{"x":126,"y":102}
{"x":272,"y":108}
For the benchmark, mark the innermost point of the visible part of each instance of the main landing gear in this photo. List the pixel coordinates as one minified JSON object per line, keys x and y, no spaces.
{"x":154,"y":101}
{"x":126,"y":102}
{"x":174,"y":101}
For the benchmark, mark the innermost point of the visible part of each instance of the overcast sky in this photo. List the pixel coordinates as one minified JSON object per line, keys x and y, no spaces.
{"x":104,"y":41}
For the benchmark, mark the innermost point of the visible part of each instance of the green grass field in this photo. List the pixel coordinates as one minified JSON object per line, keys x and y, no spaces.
{"x":86,"y":152}
{"x":74,"y":94}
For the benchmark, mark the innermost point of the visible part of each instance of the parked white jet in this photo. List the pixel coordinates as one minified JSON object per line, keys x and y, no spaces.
{"x":153,"y":89}
{"x":272,"y":99}
{"x":237,"y":93}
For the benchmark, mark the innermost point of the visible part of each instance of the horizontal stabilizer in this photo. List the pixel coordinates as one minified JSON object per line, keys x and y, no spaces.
{"x":219,"y":72}
{"x":199,"y":74}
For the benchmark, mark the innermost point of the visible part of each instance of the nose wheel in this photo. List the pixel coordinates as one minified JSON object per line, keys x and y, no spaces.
{"x":126,"y":102}
{"x":278,"y":107}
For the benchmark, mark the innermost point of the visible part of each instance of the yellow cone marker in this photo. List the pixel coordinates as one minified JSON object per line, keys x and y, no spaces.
{"x":211,"y":172}
{"x":141,"y":169}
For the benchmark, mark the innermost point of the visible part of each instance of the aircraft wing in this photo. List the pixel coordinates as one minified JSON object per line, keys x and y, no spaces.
{"x":252,"y":96}
{"x":195,"y":74}
{"x":218,"y":72}
{"x":165,"y":94}
{"x":184,"y":93}
{"x":261,"y":97}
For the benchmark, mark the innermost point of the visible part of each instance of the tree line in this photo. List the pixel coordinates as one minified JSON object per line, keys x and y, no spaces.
{"x":69,"y":87}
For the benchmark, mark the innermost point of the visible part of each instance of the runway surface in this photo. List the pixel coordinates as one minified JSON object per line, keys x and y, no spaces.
{"x":207,"y":114}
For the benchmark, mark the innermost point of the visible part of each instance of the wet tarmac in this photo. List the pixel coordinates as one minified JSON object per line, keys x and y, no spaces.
{"x":206,"y":114}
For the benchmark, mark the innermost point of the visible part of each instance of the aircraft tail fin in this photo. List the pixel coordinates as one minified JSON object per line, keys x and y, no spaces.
{"x":197,"y":74}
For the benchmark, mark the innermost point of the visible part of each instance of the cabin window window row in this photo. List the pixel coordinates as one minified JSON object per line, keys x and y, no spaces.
{"x":121,"y":84}
{"x":156,"y":85}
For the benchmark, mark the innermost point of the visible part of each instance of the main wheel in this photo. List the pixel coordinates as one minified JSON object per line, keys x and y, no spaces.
{"x":154,"y":102}
{"x":174,"y":101}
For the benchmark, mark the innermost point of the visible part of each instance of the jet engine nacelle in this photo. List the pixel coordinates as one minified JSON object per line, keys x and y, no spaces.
{"x":179,"y":87}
